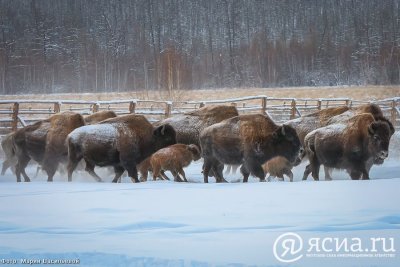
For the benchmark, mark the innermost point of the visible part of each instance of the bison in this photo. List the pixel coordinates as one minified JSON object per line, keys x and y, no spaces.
{"x":44,"y":142}
{"x":174,"y":158}
{"x":249,"y":140}
{"x":189,"y":125}
{"x":99,"y":116}
{"x":280,"y":166}
{"x":121,"y":142}
{"x":372,"y":109}
{"x":351,"y":145}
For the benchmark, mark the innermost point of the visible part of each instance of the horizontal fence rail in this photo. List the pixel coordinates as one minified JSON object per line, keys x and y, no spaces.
{"x":15,"y":114}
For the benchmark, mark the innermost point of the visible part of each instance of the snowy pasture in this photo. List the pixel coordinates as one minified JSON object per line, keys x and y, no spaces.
{"x":193,"y":224}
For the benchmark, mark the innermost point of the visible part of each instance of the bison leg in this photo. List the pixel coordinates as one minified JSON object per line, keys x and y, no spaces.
{"x":6,"y":165}
{"x":217,"y":169}
{"x":289,"y":173}
{"x":71,"y":167}
{"x":256,"y":169}
{"x":50,"y":169}
{"x":132,"y":172}
{"x":206,"y":169}
{"x":365,"y":175}
{"x":164,"y":176}
{"x":118,"y":173}
{"x":20,"y":168}
{"x":177,"y":178}
{"x":90,"y":169}
{"x":182,"y":174}
{"x":328,"y":173}
{"x":307,"y":172}
{"x":245,"y":173}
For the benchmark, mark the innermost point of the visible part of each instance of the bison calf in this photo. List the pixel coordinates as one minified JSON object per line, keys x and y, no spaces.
{"x":174,"y":158}
{"x":278,"y":167}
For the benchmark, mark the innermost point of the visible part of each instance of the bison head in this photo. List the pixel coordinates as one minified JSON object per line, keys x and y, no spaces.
{"x":379,"y":133}
{"x":287,"y":144}
{"x":164,"y":136}
{"x":195,"y":150}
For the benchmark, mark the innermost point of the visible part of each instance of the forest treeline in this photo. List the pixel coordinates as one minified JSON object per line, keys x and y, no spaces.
{"x":125,"y":45}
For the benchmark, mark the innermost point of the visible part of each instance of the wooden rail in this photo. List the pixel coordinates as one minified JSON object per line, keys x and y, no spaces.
{"x":15,"y":114}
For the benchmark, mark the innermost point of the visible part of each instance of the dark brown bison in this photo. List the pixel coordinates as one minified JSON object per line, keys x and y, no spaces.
{"x":173,"y":158}
{"x":189,"y":125}
{"x":249,"y":140}
{"x":372,"y":109}
{"x":351,"y":145}
{"x":121,"y":142}
{"x":99,"y":116}
{"x":44,"y":142}
{"x":324,"y":117}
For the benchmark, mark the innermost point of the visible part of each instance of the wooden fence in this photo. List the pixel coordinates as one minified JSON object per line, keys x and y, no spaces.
{"x":15,"y":114}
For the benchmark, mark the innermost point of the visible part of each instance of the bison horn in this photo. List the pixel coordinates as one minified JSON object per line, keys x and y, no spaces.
{"x":163,"y":130}
{"x":371,"y":129}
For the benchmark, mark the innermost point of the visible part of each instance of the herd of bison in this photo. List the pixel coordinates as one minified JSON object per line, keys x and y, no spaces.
{"x":346,"y":138}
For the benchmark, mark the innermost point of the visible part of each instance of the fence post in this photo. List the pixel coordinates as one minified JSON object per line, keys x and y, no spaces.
{"x":14,"y":123}
{"x":132,"y":107}
{"x":202,"y":104}
{"x":168,"y":109}
{"x":264,"y":105}
{"x":57,"y":107}
{"x":319,"y":104}
{"x":393,"y":112}
{"x":293,"y":110}
{"x":95,"y":107}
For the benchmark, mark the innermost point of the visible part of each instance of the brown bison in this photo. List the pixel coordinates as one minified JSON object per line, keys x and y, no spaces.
{"x":121,"y":142}
{"x":189,"y":125}
{"x":249,"y":140}
{"x":324,"y":117}
{"x":280,"y":166}
{"x":174,"y":158}
{"x":99,"y":116}
{"x":351,"y":145}
{"x":372,"y":109}
{"x":44,"y":142}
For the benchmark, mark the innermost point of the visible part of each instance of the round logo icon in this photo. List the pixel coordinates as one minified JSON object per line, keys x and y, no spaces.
{"x":288,"y":247}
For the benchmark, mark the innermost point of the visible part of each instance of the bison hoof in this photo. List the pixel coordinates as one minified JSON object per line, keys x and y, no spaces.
{"x":135,"y":180}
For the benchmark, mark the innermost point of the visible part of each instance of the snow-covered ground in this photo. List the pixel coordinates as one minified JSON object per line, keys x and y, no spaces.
{"x":194,"y":224}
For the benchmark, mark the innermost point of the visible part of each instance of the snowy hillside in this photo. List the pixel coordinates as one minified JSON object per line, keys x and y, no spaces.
{"x":193,"y":224}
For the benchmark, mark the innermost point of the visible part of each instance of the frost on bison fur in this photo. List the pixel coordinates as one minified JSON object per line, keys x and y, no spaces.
{"x":121,"y":142}
{"x":250,"y":140}
{"x":44,"y":142}
{"x":99,"y":116}
{"x":173,"y":158}
{"x":10,"y":159}
{"x":189,"y":125}
{"x":353,"y":145}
